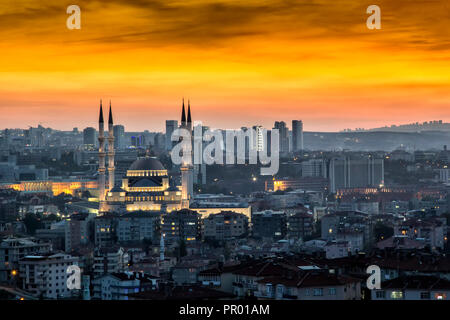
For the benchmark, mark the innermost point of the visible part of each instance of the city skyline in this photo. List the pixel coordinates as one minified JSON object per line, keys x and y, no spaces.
{"x":269,"y":124}
{"x":236,"y":61}
{"x":224,"y":156}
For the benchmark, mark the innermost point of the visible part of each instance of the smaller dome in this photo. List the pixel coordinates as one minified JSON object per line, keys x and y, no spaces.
{"x":147,"y":164}
{"x":173,"y":188}
{"x":117,"y":189}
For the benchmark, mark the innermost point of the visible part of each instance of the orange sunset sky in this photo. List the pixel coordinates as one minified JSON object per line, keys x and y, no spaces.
{"x":240,"y":62}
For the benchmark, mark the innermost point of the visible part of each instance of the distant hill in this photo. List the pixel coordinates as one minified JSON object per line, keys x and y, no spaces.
{"x":376,"y":140}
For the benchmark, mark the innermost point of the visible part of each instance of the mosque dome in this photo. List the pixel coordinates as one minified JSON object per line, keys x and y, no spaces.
{"x":147,"y":164}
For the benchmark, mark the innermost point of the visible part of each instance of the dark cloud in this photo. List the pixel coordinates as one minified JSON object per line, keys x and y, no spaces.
{"x":204,"y":23}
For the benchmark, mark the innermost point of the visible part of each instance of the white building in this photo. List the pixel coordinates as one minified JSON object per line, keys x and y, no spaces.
{"x":47,"y":275}
{"x":337,"y":249}
{"x":355,"y":240}
{"x":110,"y":260}
{"x":118,"y":286}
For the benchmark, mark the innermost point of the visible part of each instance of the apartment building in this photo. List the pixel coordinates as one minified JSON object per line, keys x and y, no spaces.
{"x":46,"y":275}
{"x":118,"y":286}
{"x":110,"y":260}
{"x":430,"y":231}
{"x":225,"y":226}
{"x":414,"y":287}
{"x":309,"y":285}
{"x":13,"y":249}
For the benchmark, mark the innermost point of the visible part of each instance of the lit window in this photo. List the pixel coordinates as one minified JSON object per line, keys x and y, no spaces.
{"x":396,"y":295}
{"x":440,"y":296}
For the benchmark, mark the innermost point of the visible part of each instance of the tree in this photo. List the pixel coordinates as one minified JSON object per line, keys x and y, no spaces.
{"x":382,"y":231}
{"x":32,"y":223}
{"x":182,"y":249}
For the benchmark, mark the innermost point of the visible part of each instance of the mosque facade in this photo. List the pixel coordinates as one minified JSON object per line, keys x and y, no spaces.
{"x":146,"y":185}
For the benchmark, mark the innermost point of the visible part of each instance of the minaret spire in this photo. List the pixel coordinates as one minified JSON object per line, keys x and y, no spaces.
{"x":100,"y":119}
{"x":110,"y":114}
{"x":183,"y":116}
{"x":189,"y":120}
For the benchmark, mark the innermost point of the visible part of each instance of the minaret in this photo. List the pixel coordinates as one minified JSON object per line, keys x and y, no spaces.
{"x":161,"y":248}
{"x":187,"y":179}
{"x":111,"y":167}
{"x":189,"y":119}
{"x":101,"y":159}
{"x":183,"y":116}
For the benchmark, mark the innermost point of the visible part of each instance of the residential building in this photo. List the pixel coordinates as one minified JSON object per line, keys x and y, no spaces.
{"x":119,"y":285}
{"x":46,"y":275}
{"x":110,"y":260}
{"x":77,"y":231}
{"x":137,"y":226}
{"x":430,"y":231}
{"x":269,"y":224}
{"x":355,"y":172}
{"x":181,"y":225}
{"x":299,"y":225}
{"x":309,"y":285}
{"x":12,"y":250}
{"x":415,"y":287}
{"x":225,"y":226}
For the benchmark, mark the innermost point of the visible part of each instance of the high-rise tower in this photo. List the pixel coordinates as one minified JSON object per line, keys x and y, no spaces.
{"x":101,"y":158}
{"x":297,"y":135}
{"x":111,"y":167}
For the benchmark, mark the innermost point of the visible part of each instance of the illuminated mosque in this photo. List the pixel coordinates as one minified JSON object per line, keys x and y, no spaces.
{"x":146,"y":185}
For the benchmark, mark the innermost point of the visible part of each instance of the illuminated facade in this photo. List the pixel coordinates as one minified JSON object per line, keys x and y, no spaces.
{"x":305,"y":183}
{"x":206,"y":209}
{"x":145,"y":187}
{"x":53,"y":187}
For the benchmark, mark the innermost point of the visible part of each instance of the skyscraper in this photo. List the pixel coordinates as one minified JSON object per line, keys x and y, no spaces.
{"x":297,"y":135}
{"x":171,"y":125}
{"x":283,"y":132}
{"x":119,"y":136}
{"x":258,"y":138}
{"x":89,"y":134}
